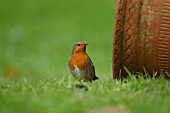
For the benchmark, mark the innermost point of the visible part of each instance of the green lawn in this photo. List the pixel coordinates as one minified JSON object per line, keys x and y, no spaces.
{"x":36,"y":40}
{"x":59,"y":95}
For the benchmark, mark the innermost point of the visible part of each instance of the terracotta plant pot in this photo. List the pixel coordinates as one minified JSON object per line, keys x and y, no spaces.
{"x":141,"y":37}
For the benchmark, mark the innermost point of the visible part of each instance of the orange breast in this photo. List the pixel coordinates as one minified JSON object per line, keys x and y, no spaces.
{"x":79,"y":60}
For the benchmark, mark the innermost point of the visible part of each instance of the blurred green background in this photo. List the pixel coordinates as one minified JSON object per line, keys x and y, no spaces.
{"x":37,"y":36}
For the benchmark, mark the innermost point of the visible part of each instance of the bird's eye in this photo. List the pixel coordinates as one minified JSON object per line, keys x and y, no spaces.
{"x":78,"y":44}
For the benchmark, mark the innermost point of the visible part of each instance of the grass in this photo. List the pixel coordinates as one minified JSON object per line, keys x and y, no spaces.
{"x":52,"y":95}
{"x":36,"y":40}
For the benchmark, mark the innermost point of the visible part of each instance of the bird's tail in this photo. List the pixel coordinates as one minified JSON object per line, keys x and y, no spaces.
{"x":95,"y":78}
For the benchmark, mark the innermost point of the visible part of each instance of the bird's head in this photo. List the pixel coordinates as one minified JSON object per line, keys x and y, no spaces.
{"x":79,"y":47}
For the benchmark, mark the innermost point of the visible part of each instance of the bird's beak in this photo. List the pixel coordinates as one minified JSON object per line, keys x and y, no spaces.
{"x":87,"y":44}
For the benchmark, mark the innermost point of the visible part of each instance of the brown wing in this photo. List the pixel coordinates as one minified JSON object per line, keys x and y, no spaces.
{"x":93,"y":69}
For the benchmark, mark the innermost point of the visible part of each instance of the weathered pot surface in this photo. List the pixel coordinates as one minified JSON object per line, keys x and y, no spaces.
{"x":141,"y":37}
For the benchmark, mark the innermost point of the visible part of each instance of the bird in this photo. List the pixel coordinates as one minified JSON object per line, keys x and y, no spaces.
{"x":80,"y":63}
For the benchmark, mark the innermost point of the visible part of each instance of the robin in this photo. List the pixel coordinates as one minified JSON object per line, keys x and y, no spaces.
{"x":80,"y":63}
